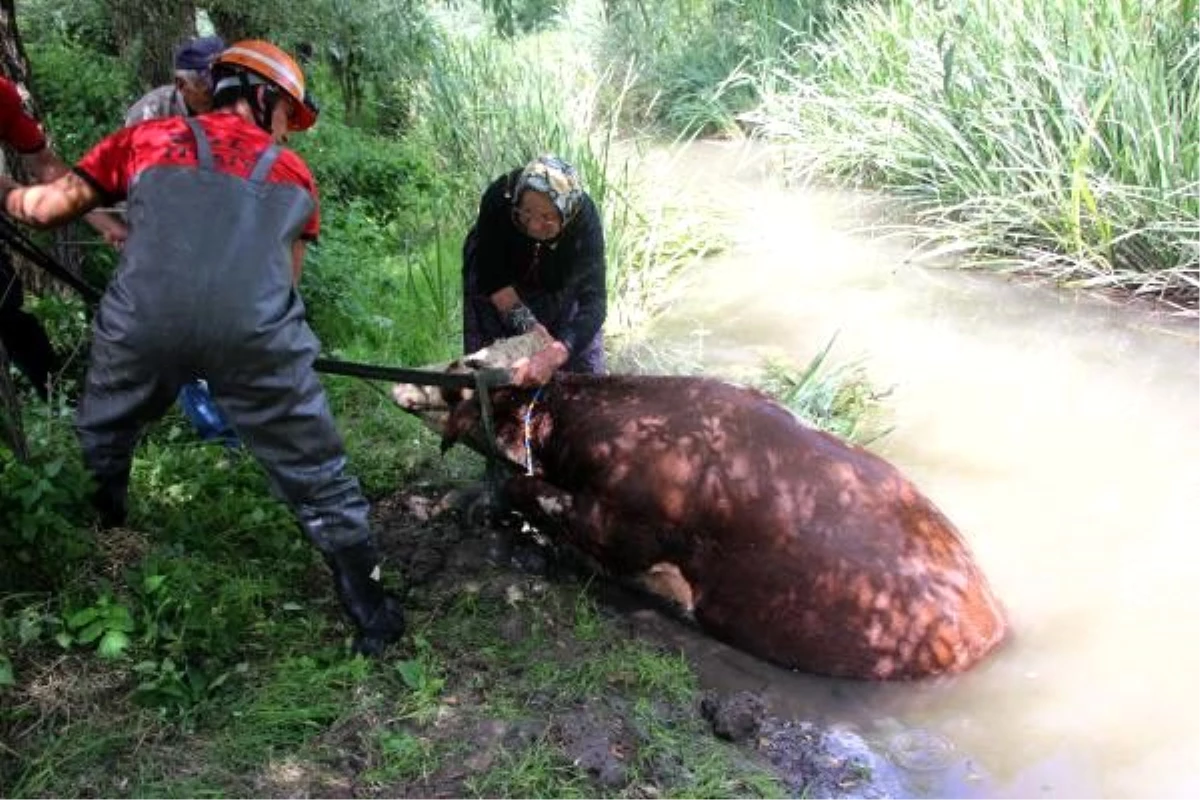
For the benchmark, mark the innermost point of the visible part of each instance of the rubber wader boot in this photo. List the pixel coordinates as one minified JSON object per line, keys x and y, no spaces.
{"x":376,"y":613}
{"x":111,"y":500}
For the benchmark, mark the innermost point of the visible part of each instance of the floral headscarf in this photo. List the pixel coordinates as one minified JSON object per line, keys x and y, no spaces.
{"x":554,"y":178}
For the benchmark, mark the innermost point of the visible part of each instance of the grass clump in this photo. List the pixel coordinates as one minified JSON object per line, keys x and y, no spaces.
{"x":838,"y":399}
{"x":1060,"y":138}
{"x":697,"y":66}
{"x":538,"y":770}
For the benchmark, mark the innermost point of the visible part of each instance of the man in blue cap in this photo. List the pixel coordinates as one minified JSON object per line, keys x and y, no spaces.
{"x":191,"y":93}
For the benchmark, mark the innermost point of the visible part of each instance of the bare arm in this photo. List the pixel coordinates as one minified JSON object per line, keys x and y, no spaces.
{"x":46,"y":166}
{"x":536,"y":369}
{"x":49,"y":205}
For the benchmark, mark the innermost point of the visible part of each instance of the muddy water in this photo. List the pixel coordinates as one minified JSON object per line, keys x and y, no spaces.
{"x":1060,"y":433}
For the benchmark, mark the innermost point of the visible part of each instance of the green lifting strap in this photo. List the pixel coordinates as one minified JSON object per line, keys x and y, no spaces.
{"x":484,"y":382}
{"x":492,"y":378}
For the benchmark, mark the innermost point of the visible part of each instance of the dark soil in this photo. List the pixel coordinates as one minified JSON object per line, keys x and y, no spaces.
{"x":442,"y":544}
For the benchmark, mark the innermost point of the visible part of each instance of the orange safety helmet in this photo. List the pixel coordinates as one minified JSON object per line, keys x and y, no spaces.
{"x":272,"y":64}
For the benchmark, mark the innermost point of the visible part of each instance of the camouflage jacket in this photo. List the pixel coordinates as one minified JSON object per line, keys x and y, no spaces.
{"x":165,"y":101}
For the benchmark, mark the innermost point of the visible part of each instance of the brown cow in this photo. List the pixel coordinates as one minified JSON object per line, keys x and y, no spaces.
{"x":777,"y":538}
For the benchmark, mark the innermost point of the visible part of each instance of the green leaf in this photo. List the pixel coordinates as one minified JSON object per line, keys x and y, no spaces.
{"x":220,"y":679}
{"x":91,"y":633}
{"x":113,"y":644}
{"x":29,"y":628}
{"x":6,"y":672}
{"x":119,"y":618}
{"x":81,"y":618}
{"x":151,"y":583}
{"x":411,"y":673}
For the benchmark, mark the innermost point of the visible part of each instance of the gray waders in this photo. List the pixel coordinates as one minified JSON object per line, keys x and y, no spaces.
{"x":204,"y":290}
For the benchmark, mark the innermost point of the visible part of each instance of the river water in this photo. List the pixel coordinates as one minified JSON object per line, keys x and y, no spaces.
{"x":1062,"y":435}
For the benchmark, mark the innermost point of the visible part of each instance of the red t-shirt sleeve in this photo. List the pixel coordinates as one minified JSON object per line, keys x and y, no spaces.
{"x":290,"y":168}
{"x":16,"y":127}
{"x":108,"y":165}
{"x":113,"y":165}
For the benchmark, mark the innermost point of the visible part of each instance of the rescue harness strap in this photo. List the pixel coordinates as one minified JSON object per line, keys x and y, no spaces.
{"x":492,"y":378}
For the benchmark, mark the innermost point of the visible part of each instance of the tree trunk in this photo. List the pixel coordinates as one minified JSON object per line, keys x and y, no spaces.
{"x":147,"y":33}
{"x":12,"y":432}
{"x":15,"y":66}
{"x":13,"y":62}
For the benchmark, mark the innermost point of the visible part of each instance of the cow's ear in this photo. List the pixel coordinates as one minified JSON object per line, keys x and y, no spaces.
{"x":463,"y":418}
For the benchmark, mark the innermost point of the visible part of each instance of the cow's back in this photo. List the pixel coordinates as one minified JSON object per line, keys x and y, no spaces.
{"x":800,"y":548}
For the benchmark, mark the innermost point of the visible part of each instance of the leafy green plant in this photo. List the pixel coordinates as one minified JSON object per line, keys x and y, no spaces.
{"x":41,"y":506}
{"x":177,"y":688}
{"x":285,"y":705}
{"x":174,"y":476}
{"x":707,"y":768}
{"x":68,"y":324}
{"x":402,"y":755}
{"x":363,"y":45}
{"x":195,"y":607}
{"x":24,"y":620}
{"x":106,"y":623}
{"x":589,"y":625}
{"x":422,"y":676}
{"x":513,"y":17}
{"x":539,"y":769}
{"x":350,"y":164}
{"x":87,"y":23}
{"x":700,"y":64}
{"x":80,"y":106}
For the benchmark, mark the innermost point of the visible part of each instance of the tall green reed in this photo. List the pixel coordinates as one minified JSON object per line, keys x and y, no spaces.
{"x":493,"y":105}
{"x":701,"y":63}
{"x":1060,"y":137}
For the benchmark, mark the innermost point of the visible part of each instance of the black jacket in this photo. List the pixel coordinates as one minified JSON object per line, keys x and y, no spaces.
{"x":571,"y":267}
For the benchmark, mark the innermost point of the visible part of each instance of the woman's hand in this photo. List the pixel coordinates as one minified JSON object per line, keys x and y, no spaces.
{"x":541,"y":366}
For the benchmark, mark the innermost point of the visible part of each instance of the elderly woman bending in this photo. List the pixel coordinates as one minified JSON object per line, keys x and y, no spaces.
{"x":535,"y":257}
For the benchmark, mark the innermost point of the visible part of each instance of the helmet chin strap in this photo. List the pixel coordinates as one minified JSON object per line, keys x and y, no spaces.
{"x":262,"y":100}
{"x":268,"y":98}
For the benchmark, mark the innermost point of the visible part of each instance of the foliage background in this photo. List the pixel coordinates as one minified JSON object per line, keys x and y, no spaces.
{"x":1060,"y":140}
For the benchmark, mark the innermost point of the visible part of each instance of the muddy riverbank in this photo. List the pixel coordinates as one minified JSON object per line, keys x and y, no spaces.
{"x":447,"y":555}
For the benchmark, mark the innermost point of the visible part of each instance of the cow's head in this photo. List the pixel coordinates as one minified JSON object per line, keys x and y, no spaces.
{"x":434,"y":404}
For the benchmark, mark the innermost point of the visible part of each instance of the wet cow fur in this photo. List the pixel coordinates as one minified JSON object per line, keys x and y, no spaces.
{"x":777,"y":538}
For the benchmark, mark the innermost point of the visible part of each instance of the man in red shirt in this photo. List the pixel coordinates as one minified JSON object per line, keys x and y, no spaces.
{"x":22,"y":336}
{"x":191,"y":94}
{"x":219,"y":216}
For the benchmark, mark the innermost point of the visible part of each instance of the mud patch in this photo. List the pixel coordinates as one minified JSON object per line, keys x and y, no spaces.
{"x":449,"y":552}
